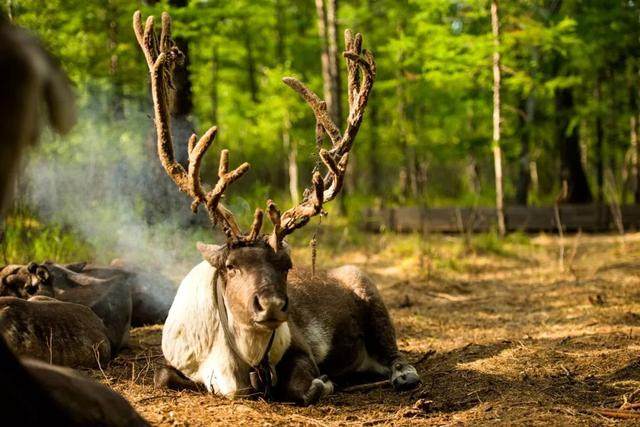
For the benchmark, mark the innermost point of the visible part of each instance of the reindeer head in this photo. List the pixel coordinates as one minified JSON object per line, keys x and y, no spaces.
{"x":252,"y":265}
{"x":25,"y":281}
{"x":255,"y":279}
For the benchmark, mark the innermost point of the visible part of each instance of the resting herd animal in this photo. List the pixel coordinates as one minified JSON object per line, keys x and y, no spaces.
{"x":243,"y":322}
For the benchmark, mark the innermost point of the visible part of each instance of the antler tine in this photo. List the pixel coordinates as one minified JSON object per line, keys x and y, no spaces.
{"x":275,"y":239}
{"x":361,"y":71}
{"x":318,"y":106}
{"x":256,"y":226}
{"x":224,"y":179}
{"x":162,"y":56}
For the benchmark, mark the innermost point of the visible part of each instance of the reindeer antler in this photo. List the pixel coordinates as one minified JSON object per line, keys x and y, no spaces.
{"x":162,"y":56}
{"x":361,"y":69}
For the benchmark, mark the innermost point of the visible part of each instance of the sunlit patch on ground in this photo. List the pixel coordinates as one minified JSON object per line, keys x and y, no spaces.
{"x":498,"y":337}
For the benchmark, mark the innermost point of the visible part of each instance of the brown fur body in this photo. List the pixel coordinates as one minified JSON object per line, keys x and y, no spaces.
{"x":50,"y":330}
{"x":150,"y":294}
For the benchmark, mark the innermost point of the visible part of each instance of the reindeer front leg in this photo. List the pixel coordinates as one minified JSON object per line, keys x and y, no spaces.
{"x":299,"y":379}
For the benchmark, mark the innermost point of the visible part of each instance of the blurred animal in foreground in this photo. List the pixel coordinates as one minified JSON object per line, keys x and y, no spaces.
{"x":33,"y":393}
{"x":31,"y":84}
{"x":243,"y":321}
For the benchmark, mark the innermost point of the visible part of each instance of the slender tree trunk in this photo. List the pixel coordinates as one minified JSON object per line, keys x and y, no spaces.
{"x":215,"y":70}
{"x":116,"y":106}
{"x":568,"y":139}
{"x":289,"y":144}
{"x":599,"y":146}
{"x":328,"y":31}
{"x":281,"y":31}
{"x":324,"y":56}
{"x":373,"y":167}
{"x":524,"y":177}
{"x":291,"y":148}
{"x":335,"y":107}
{"x":251,"y":63}
{"x":497,"y":154}
{"x":634,"y":130}
{"x":635,"y":153}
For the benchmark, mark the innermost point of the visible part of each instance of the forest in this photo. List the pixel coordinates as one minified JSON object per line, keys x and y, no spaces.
{"x":478,"y":107}
{"x":569,"y":93}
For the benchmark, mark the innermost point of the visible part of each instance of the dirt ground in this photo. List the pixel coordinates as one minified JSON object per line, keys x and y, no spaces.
{"x":501,"y":333}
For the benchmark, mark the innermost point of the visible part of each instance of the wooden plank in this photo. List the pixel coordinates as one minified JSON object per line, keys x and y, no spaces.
{"x":408,"y":219}
{"x":589,"y":218}
{"x":530,"y":218}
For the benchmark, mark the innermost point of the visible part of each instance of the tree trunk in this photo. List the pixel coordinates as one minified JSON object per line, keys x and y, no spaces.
{"x":335,"y":107}
{"x":599,"y":146}
{"x":328,"y":31}
{"x":291,"y":149}
{"x":215,"y":69}
{"x":524,"y":177}
{"x":281,"y":31}
{"x":324,"y":56}
{"x":375,"y":177}
{"x":497,"y":154}
{"x":634,"y":129}
{"x":568,"y":140}
{"x":251,"y":63}
{"x":290,"y":145}
{"x":181,"y":103}
{"x":116,"y":96}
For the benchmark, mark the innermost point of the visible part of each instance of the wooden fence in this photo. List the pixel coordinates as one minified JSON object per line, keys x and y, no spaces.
{"x":589,"y":218}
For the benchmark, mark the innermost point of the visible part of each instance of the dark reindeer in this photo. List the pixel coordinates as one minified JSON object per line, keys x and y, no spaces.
{"x":25,"y":281}
{"x":34,"y":393}
{"x":244,"y":321}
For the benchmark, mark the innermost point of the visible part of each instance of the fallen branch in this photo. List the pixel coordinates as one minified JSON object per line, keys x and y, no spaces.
{"x":366,"y":387}
{"x":618,"y":413}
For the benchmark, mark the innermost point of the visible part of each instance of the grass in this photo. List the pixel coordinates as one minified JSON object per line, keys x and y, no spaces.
{"x":26,"y":238}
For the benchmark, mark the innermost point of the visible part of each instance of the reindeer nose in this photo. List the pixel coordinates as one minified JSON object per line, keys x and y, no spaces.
{"x":271,"y":308}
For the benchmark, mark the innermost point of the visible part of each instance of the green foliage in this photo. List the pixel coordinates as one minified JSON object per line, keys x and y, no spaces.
{"x":45,"y":241}
{"x":426,"y":135}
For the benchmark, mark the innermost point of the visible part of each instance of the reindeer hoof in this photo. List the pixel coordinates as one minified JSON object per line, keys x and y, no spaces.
{"x":404,"y":376}
{"x":320,"y":387}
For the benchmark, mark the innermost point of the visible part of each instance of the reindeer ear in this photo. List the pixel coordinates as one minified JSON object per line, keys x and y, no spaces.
{"x":211,"y":253}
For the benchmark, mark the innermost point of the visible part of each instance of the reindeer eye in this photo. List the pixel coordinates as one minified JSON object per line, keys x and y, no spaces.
{"x":231,"y":267}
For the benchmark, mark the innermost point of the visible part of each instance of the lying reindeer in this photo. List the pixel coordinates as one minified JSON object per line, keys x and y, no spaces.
{"x":243,"y":316}
{"x":151,"y":293}
{"x":109,"y":299}
{"x":57,"y":332}
{"x":25,"y":281}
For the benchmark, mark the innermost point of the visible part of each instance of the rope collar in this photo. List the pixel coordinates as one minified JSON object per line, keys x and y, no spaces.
{"x":261,"y":376}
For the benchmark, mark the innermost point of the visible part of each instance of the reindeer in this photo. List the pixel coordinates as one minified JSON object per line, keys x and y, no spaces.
{"x":25,"y":281}
{"x":243,"y":320}
{"x":151,"y":292}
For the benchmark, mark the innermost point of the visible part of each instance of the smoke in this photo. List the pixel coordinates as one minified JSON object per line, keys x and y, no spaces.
{"x":105,"y":182}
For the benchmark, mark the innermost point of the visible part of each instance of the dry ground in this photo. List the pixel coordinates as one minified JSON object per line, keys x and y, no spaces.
{"x":499,"y":333}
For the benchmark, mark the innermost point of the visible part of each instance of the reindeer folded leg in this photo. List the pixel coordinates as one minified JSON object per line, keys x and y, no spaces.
{"x":300,"y":380}
{"x":380,"y":340}
{"x":169,"y":377}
